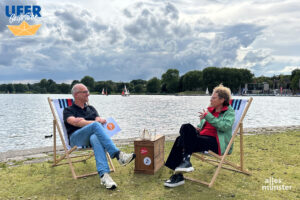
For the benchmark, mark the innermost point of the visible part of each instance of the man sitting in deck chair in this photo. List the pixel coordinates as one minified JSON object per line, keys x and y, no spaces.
{"x":213,"y":133}
{"x":84,"y":127}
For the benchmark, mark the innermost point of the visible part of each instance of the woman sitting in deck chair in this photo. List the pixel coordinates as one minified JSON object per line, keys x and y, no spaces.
{"x":213,"y":133}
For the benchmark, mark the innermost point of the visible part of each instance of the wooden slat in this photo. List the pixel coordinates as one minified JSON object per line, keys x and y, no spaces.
{"x":54,"y":141}
{"x":232,"y":169}
{"x":85,"y":175}
{"x":110,"y":162}
{"x":225,"y":161}
{"x":196,"y":180}
{"x":65,"y":155}
{"x":241,"y":147}
{"x":73,"y":161}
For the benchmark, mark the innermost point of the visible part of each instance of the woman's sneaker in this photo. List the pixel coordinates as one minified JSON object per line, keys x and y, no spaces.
{"x":185,"y":166}
{"x":107,"y":181}
{"x":175,"y":180}
{"x":125,"y":158}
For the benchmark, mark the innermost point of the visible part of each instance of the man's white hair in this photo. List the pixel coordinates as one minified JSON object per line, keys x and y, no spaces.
{"x":75,"y":88}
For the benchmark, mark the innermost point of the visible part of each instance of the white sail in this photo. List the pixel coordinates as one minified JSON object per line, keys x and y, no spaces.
{"x":102,"y":91}
{"x":207,"y":92}
{"x":126,"y":92}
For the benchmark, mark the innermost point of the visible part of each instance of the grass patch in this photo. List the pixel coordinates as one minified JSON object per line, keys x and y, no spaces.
{"x":3,"y":165}
{"x":266,"y":156}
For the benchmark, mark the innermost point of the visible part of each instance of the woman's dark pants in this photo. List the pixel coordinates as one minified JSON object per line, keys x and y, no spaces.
{"x":189,"y":142}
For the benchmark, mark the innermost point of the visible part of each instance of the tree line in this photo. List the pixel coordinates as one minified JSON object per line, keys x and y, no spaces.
{"x":169,"y":82}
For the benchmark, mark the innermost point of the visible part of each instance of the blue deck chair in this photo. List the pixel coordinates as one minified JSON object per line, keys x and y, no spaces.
{"x":241,"y":107}
{"x":57,"y":106}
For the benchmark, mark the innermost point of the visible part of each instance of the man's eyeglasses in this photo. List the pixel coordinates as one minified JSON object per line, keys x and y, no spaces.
{"x":84,"y":92}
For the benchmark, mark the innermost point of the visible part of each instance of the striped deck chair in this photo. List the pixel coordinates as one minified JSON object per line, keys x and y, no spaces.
{"x":57,"y":106}
{"x":241,"y":107}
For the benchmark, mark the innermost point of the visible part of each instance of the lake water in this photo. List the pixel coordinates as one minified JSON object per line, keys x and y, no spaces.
{"x":25,"y":119}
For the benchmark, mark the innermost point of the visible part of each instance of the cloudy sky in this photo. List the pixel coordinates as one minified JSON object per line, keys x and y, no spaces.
{"x":122,"y":40}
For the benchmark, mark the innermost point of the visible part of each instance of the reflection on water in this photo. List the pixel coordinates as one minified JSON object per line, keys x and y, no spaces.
{"x":25,"y":119}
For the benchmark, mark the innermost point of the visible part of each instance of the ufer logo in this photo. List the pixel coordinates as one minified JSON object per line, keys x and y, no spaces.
{"x":23,"y":13}
{"x":110,"y":126}
{"x":144,"y":150}
{"x":23,"y":10}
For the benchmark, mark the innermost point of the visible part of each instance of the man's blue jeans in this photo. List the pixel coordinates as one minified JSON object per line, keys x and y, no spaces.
{"x":95,"y":135}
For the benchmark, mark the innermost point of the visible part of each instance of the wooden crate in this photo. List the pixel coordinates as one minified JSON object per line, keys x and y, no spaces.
{"x":149,"y":154}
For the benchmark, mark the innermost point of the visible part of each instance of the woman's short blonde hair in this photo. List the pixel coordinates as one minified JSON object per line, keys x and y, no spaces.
{"x":223,"y":92}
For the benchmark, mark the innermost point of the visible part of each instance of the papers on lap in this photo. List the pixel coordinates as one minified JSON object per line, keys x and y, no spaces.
{"x":111,"y":127}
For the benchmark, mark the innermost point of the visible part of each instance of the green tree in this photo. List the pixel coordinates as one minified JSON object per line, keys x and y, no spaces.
{"x":10,"y":88}
{"x":120,"y":87}
{"x":295,"y":80}
{"x":153,"y":85}
{"x":89,"y":82}
{"x":3,"y":88}
{"x":263,"y":79}
{"x":180,"y":84}
{"x":21,"y":88}
{"x":74,"y":82}
{"x":52,"y":86}
{"x":139,"y":88}
{"x":108,"y":86}
{"x":230,"y":77}
{"x":211,"y":78}
{"x":192,"y":81}
{"x":170,"y":81}
{"x":43,"y":84}
{"x":295,"y":72}
{"x":246,"y":75}
{"x":138,"y":81}
{"x":64,"y":88}
{"x":99,"y":85}
{"x":35,"y":88}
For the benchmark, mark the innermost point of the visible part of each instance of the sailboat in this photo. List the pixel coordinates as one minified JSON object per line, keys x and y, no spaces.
{"x":207,"y":92}
{"x":125,"y":92}
{"x":103,"y":92}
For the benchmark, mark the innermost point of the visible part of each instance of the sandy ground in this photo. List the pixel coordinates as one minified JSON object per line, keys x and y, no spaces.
{"x":36,"y":155}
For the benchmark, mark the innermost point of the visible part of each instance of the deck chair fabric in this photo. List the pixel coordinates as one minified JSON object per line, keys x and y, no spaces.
{"x":60,"y":105}
{"x":57,"y":106}
{"x":241,"y":107}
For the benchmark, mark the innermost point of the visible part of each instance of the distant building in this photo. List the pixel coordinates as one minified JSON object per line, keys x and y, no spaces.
{"x":257,"y":88}
{"x":264,"y":89}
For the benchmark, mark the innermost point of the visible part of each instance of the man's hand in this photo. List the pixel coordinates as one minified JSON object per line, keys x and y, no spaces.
{"x":100,"y":120}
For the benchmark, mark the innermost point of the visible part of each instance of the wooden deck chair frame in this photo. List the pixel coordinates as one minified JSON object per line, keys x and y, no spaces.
{"x":220,"y":161}
{"x":57,"y":123}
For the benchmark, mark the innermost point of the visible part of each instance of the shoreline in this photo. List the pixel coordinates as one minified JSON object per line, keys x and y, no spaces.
{"x":166,"y":94}
{"x":41,"y":154}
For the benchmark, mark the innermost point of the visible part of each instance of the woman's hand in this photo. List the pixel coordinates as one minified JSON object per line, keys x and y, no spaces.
{"x":202,"y":114}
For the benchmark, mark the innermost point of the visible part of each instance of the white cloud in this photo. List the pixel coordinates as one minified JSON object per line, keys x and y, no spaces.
{"x":289,"y":69}
{"x":125,"y":40}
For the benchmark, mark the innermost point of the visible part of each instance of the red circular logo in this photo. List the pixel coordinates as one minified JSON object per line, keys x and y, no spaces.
{"x":144,"y":150}
{"x":110,"y":126}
